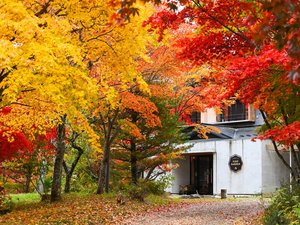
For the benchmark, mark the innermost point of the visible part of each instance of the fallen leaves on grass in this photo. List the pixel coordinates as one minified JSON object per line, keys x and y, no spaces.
{"x":92,"y":209}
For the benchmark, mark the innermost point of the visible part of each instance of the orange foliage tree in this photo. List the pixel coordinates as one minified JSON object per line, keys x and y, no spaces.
{"x":251,"y":57}
{"x":253,"y":46}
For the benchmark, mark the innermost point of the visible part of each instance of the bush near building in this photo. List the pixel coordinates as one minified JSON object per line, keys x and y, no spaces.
{"x":285,"y":207}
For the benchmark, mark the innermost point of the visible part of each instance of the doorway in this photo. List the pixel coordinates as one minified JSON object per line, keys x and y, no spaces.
{"x":202,"y":174}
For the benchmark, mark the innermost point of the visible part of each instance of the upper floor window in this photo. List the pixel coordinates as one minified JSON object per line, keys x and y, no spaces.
{"x":196,"y":117}
{"x":235,"y":112}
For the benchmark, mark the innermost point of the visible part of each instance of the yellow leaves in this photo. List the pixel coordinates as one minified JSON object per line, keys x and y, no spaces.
{"x":14,"y":10}
{"x":118,"y":50}
{"x":50,"y":58}
{"x":46,"y":76}
{"x":131,"y":129}
{"x":81,"y":124}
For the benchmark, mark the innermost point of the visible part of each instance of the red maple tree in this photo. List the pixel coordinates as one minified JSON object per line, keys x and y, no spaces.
{"x":254,"y":47}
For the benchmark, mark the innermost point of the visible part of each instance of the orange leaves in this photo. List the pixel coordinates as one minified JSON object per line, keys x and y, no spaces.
{"x":131,"y":129}
{"x":203,"y":131}
{"x":146,"y":109}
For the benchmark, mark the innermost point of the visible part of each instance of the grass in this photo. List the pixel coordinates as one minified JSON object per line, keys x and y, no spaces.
{"x":159,"y":200}
{"x":20,"y":199}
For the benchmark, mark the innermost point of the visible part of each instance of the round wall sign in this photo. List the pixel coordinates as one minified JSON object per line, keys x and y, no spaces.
{"x":235,"y":163}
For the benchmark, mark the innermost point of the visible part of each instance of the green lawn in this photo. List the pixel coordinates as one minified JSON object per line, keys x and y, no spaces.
{"x":20,"y":199}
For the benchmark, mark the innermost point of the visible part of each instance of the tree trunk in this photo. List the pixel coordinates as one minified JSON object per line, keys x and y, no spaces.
{"x":28,"y":177}
{"x":68,"y":183}
{"x":133,"y":162}
{"x":69,"y":172}
{"x":276,"y":147}
{"x":58,"y":163}
{"x":110,"y":133}
{"x":107,"y":173}
{"x":133,"y":157}
{"x":103,"y":181}
{"x":296,"y":162}
{"x":295,"y":156}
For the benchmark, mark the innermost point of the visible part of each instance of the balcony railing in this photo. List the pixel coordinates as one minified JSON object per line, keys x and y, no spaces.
{"x":235,"y":112}
{"x":232,"y":117}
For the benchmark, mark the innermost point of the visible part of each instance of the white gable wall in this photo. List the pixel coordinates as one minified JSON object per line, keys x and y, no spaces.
{"x":181,"y":174}
{"x":262,"y":171}
{"x":275,"y":173}
{"x":249,"y":179}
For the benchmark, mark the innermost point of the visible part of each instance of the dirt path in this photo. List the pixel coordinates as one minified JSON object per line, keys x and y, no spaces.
{"x":206,"y":212}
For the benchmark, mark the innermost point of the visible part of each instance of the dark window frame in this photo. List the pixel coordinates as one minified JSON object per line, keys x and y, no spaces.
{"x":236,"y":112}
{"x":196,"y":117}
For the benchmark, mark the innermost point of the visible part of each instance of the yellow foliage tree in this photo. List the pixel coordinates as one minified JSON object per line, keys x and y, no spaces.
{"x":116,"y":71}
{"x":61,"y":60}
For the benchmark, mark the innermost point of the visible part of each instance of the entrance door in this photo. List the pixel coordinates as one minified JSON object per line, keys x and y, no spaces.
{"x":202,"y":174}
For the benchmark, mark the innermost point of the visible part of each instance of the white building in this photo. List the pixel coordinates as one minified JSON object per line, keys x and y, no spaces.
{"x":229,"y":160}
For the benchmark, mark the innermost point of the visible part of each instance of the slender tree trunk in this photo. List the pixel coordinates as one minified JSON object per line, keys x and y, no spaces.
{"x":107,"y":172}
{"x":133,"y":162}
{"x":110,"y":133}
{"x":295,"y":156}
{"x":69,"y":172}
{"x":103,"y":181}
{"x":58,"y":163}
{"x":296,"y":165}
{"x":28,"y":177}
{"x":276,"y":148}
{"x":133,"y":156}
{"x":68,"y":183}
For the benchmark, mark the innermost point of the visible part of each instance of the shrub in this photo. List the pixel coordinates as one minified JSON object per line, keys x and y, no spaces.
{"x":138,"y":192}
{"x":5,"y":202}
{"x":147,"y":187}
{"x":83,"y":183}
{"x":158,"y":187}
{"x":285,"y":207}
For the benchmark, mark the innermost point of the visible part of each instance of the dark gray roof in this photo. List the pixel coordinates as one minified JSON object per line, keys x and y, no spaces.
{"x":225,"y":132}
{"x":239,"y":133}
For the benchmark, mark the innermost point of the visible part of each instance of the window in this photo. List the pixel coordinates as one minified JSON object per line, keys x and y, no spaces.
{"x":235,"y":112}
{"x":196,"y":117}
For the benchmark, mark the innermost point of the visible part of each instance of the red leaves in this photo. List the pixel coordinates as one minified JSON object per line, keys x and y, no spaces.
{"x":9,"y":146}
{"x":161,"y":21}
{"x":283,"y":20}
{"x":207,"y":48}
{"x":287,"y":135}
{"x":15,"y":143}
{"x":5,"y":110}
{"x":253,"y":77}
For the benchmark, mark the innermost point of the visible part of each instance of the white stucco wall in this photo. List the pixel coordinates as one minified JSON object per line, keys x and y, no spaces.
{"x":262,"y":170}
{"x":246,"y":181}
{"x":274,"y":173}
{"x":181,"y":174}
